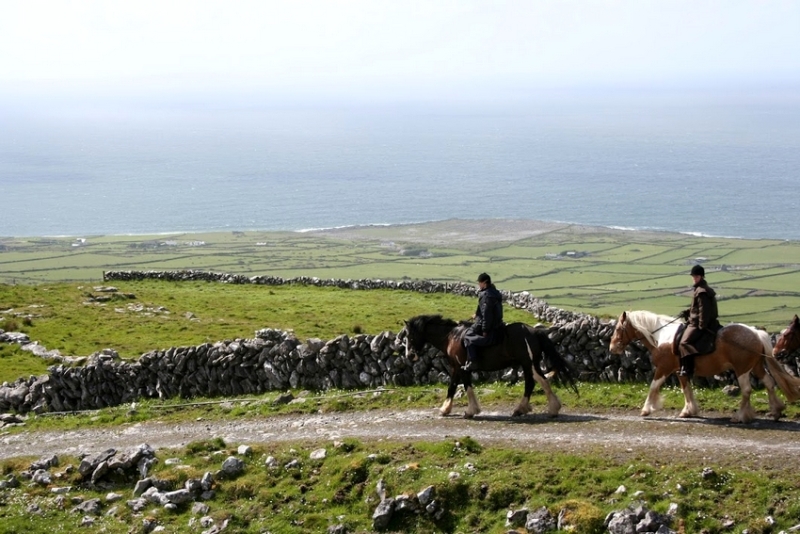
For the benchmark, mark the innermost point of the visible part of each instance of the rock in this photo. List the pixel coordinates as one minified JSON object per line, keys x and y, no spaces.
{"x":91,"y":507}
{"x":426,"y":495}
{"x":318,"y":454}
{"x":179,"y":496}
{"x":113,"y":497}
{"x":199,"y":508}
{"x":244,"y":450}
{"x":516,"y":518}
{"x":137,"y":505}
{"x":141,"y":486}
{"x":41,"y":477}
{"x":207,"y":482}
{"x":540,"y":521}
{"x":232,"y":466}
{"x":383,"y":514}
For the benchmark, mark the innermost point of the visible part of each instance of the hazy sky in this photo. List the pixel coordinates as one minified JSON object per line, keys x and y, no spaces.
{"x":317,"y":46}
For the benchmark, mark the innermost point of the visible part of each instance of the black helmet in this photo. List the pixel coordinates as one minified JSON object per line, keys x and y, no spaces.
{"x":483,"y":277}
{"x":698,"y":270}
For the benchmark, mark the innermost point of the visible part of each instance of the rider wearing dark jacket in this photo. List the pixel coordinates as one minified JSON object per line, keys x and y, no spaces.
{"x":702,"y":322}
{"x":488,"y":321}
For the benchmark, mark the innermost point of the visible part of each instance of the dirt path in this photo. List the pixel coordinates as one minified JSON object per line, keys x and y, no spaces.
{"x":712,"y":439}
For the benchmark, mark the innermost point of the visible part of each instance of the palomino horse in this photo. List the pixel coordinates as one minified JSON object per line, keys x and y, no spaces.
{"x":522,"y":345}
{"x":789,"y":340}
{"x":738,"y":347}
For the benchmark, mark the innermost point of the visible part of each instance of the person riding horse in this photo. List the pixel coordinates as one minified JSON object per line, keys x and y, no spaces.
{"x":487,"y":328}
{"x":702,"y":322}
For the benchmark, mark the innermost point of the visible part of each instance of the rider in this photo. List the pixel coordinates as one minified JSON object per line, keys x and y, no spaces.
{"x":701,"y":318}
{"x":488,"y":319}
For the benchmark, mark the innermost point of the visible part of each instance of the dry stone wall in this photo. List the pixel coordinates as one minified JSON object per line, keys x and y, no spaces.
{"x":276,"y":360}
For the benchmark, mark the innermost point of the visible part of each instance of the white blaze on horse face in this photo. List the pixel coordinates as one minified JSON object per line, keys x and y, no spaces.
{"x":615,"y":346}
{"x":410,"y":352}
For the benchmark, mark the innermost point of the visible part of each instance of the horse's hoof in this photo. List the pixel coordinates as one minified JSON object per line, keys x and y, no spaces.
{"x":645,"y":413}
{"x":684,"y":415}
{"x":517,"y":413}
{"x":469,"y":415}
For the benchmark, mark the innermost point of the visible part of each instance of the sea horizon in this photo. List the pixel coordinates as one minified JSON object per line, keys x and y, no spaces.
{"x":685,"y":165}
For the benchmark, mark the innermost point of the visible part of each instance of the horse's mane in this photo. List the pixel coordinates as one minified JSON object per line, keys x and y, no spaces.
{"x":652,"y":326}
{"x":421,"y":322}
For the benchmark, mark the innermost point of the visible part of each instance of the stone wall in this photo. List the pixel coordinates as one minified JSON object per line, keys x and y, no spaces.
{"x":276,"y":360}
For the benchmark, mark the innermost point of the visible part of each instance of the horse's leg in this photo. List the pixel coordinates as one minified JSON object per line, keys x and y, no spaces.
{"x":447,"y":406}
{"x":663,"y":364}
{"x":653,"y":401}
{"x":690,"y":404}
{"x":474,"y":408}
{"x":524,"y":405}
{"x":746,"y":413}
{"x":553,"y":404}
{"x":776,"y":406}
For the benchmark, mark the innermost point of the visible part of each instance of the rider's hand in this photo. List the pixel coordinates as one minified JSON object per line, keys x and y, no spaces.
{"x":684,"y":314}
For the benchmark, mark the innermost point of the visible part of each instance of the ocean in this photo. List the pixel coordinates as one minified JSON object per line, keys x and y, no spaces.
{"x":701,"y":165}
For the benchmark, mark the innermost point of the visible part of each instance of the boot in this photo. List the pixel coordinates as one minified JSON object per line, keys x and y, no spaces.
{"x":687,"y":366}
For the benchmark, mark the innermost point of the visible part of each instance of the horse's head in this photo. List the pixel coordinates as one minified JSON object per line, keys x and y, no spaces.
{"x":422,"y":329}
{"x":414,"y":339}
{"x":789,"y":340}
{"x":624,"y":333}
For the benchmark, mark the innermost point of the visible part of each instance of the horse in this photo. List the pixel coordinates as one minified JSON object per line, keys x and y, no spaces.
{"x":789,"y":340}
{"x":739,"y":347}
{"x":521,"y":345}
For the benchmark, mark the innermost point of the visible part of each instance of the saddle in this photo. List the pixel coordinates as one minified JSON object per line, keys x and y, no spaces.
{"x":499,"y":335}
{"x":705,"y":344}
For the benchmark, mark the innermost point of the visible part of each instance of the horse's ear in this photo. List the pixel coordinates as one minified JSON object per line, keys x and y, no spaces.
{"x":796,"y":319}
{"x":623,"y":316}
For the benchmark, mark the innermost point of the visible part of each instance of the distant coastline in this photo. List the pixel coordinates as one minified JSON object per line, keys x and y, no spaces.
{"x":508,"y":229}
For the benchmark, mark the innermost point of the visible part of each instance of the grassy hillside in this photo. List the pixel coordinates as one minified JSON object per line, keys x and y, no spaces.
{"x":599,"y":271}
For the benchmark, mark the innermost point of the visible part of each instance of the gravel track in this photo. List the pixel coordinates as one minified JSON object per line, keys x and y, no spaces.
{"x":763,"y":443}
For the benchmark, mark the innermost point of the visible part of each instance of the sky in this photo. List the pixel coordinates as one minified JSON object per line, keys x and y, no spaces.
{"x":394,"y":47}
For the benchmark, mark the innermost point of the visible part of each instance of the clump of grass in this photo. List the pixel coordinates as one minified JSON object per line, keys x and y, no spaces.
{"x":9,"y":325}
{"x":209,"y":445}
{"x":581,"y":516}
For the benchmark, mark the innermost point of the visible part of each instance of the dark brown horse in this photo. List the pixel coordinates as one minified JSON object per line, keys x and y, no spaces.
{"x":522,"y":345}
{"x":739,"y":347}
{"x":789,"y":340}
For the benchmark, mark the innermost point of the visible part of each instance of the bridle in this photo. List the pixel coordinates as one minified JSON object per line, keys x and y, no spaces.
{"x":790,"y":334}
{"x":623,"y":326}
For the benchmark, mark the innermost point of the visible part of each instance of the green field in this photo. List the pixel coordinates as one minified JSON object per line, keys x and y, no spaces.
{"x":594,"y":270}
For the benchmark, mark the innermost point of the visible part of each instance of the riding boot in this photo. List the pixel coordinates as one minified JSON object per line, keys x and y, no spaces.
{"x":687,"y":366}
{"x":472,"y":359}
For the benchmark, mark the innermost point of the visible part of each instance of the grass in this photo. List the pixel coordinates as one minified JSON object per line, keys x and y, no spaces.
{"x":475,"y":485}
{"x":599,"y":271}
{"x":163,"y":314}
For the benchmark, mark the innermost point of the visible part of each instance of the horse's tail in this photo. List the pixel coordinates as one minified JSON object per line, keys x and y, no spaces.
{"x":766,"y":342}
{"x":564,"y":372}
{"x":790,"y":385}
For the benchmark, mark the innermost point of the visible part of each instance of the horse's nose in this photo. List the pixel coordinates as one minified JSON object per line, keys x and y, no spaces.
{"x":411,"y":354}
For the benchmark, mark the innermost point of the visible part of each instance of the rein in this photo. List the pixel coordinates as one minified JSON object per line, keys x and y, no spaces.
{"x":666,"y":324}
